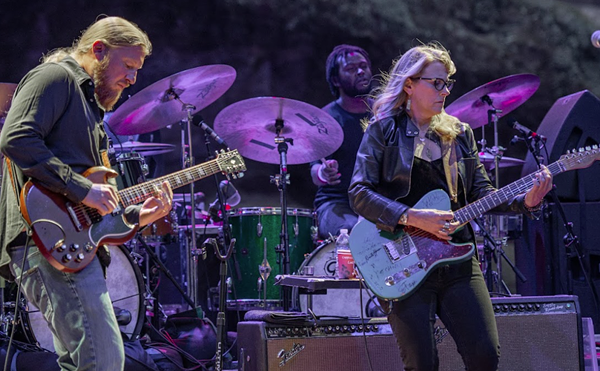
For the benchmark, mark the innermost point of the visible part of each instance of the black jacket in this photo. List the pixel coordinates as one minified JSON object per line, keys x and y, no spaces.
{"x":383,"y":166}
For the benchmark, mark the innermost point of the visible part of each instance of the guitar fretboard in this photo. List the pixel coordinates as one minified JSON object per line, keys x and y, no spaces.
{"x":141,"y":192}
{"x":485,"y":204}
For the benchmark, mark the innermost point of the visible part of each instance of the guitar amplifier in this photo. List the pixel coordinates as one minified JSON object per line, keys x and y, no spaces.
{"x":327,"y":346}
{"x":536,"y":334}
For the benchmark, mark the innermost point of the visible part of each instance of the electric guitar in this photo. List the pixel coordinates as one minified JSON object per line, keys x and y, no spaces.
{"x":68,"y":234}
{"x":394,"y":265}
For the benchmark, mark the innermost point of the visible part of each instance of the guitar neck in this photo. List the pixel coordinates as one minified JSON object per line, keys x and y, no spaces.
{"x":141,"y":192}
{"x":487,"y":203}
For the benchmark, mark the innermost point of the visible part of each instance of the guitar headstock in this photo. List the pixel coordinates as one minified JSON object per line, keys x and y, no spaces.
{"x":581,"y":158}
{"x":231,"y":163}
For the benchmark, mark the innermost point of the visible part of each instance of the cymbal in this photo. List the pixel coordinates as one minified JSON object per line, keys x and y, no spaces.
{"x":6,"y":93}
{"x":487,"y":160}
{"x":162,"y":103}
{"x":249,"y":126}
{"x":505,"y":94}
{"x":144,"y":149}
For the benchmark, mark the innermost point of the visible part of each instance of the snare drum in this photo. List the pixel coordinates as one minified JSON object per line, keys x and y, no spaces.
{"x":125,"y":287}
{"x":132,"y":169}
{"x":337,"y":302}
{"x":251,"y":227}
{"x":163,"y":230}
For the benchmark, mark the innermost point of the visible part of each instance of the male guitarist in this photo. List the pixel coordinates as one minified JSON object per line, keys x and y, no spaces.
{"x":410,"y":148}
{"x":52,"y":135}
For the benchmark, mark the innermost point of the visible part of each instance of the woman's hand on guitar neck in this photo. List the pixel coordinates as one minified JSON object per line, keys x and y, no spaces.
{"x":102,"y":197}
{"x":437,"y":222}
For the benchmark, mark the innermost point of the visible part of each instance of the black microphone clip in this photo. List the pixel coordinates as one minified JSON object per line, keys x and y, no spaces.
{"x":202,"y":125}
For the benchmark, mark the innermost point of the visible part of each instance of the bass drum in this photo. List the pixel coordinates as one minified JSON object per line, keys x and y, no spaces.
{"x":337,"y":302}
{"x":125,"y":287}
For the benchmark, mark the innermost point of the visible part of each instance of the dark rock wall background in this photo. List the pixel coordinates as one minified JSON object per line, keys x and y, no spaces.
{"x":278,"y":48}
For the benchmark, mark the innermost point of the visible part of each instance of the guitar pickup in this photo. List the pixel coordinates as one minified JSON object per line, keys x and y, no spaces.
{"x":73,"y":216}
{"x":392,"y":252}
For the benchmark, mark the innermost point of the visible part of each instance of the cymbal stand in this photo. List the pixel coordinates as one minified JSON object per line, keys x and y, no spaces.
{"x":188,"y":161}
{"x":491,"y":246}
{"x":282,"y":180}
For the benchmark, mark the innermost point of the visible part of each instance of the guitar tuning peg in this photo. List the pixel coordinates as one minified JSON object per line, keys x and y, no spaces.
{"x":588,"y":148}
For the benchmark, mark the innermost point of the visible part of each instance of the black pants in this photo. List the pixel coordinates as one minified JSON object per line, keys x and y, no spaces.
{"x":459,"y":296}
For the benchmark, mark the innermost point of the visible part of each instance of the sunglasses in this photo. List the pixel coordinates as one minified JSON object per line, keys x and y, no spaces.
{"x":438,"y":83}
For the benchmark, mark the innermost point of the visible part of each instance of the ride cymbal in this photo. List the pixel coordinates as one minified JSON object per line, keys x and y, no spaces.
{"x":250,"y":127}
{"x":164,"y":102}
{"x":504,"y":94}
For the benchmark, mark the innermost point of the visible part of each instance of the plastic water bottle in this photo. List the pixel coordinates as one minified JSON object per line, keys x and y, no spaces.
{"x":345,"y":262}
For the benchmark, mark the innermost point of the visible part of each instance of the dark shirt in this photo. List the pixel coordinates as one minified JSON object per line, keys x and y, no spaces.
{"x":52,"y":133}
{"x":345,"y":155}
{"x":430,"y":176}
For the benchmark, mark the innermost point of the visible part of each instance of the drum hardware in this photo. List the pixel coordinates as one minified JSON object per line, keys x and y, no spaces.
{"x":161,"y":266}
{"x":270,"y":125}
{"x":264,"y":271}
{"x":144,"y":149}
{"x":480,"y":107}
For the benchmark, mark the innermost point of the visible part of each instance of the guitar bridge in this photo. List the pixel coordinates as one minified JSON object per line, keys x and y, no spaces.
{"x":73,"y":216}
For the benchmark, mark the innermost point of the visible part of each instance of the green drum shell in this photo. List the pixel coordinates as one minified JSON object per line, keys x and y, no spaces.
{"x":249,"y":251}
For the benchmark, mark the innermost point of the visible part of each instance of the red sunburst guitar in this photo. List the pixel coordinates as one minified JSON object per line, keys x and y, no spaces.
{"x":394,"y":265}
{"x":69,"y":234}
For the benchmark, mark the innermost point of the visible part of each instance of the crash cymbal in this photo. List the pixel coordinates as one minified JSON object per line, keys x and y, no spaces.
{"x":6,"y":93}
{"x":144,"y":149}
{"x":504,"y":94}
{"x":487,"y":160}
{"x":162,"y":103}
{"x":249,"y":126}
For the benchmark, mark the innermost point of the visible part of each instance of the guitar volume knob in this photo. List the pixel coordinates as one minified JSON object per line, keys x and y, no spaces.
{"x":389,"y":281}
{"x":67,"y":258}
{"x":74,"y":247}
{"x":79,"y":258}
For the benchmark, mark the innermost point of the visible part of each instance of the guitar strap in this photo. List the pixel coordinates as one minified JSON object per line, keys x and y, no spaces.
{"x":450,"y":167}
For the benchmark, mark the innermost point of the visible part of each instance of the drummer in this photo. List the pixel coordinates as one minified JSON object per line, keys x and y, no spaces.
{"x":348,"y":73}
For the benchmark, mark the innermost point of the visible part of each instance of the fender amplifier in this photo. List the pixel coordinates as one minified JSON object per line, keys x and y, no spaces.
{"x":537,"y":333}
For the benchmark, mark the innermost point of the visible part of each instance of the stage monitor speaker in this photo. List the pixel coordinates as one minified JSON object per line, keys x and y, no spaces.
{"x":536,"y":334}
{"x":571,"y":123}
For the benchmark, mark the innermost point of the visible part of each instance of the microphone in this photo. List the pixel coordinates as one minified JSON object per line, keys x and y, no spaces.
{"x":202,"y":125}
{"x":596,"y":39}
{"x":525,"y":130}
{"x":232,"y":198}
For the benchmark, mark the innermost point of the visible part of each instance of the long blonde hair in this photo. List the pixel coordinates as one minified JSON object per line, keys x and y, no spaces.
{"x":390,"y":98}
{"x":112,"y":31}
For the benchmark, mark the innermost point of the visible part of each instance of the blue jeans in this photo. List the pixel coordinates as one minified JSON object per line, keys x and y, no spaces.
{"x":458,"y":295}
{"x":78,"y":311}
{"x":333,"y":216}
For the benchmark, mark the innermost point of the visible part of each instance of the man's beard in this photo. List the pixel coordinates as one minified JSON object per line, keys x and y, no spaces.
{"x":352,"y":91}
{"x":105,"y":95}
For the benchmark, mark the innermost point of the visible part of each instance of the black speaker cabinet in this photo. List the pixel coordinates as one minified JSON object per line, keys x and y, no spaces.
{"x":536,"y":334}
{"x":571,"y":123}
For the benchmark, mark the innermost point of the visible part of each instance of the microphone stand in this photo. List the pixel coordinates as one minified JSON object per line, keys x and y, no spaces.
{"x":282,"y":180}
{"x":571,"y":242}
{"x":230,"y":242}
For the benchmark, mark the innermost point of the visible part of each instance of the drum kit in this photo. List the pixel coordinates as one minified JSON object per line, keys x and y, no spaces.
{"x":272,"y":130}
{"x":479,"y":108}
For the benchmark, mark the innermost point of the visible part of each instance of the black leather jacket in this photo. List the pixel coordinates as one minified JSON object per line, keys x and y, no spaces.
{"x":383,"y":167}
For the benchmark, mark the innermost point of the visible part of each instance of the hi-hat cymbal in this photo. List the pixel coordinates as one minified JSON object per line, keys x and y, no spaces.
{"x":487,"y":160}
{"x":144,"y":149}
{"x":162,"y":103}
{"x":249,"y":126}
{"x":6,"y":93}
{"x":504,"y":94}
